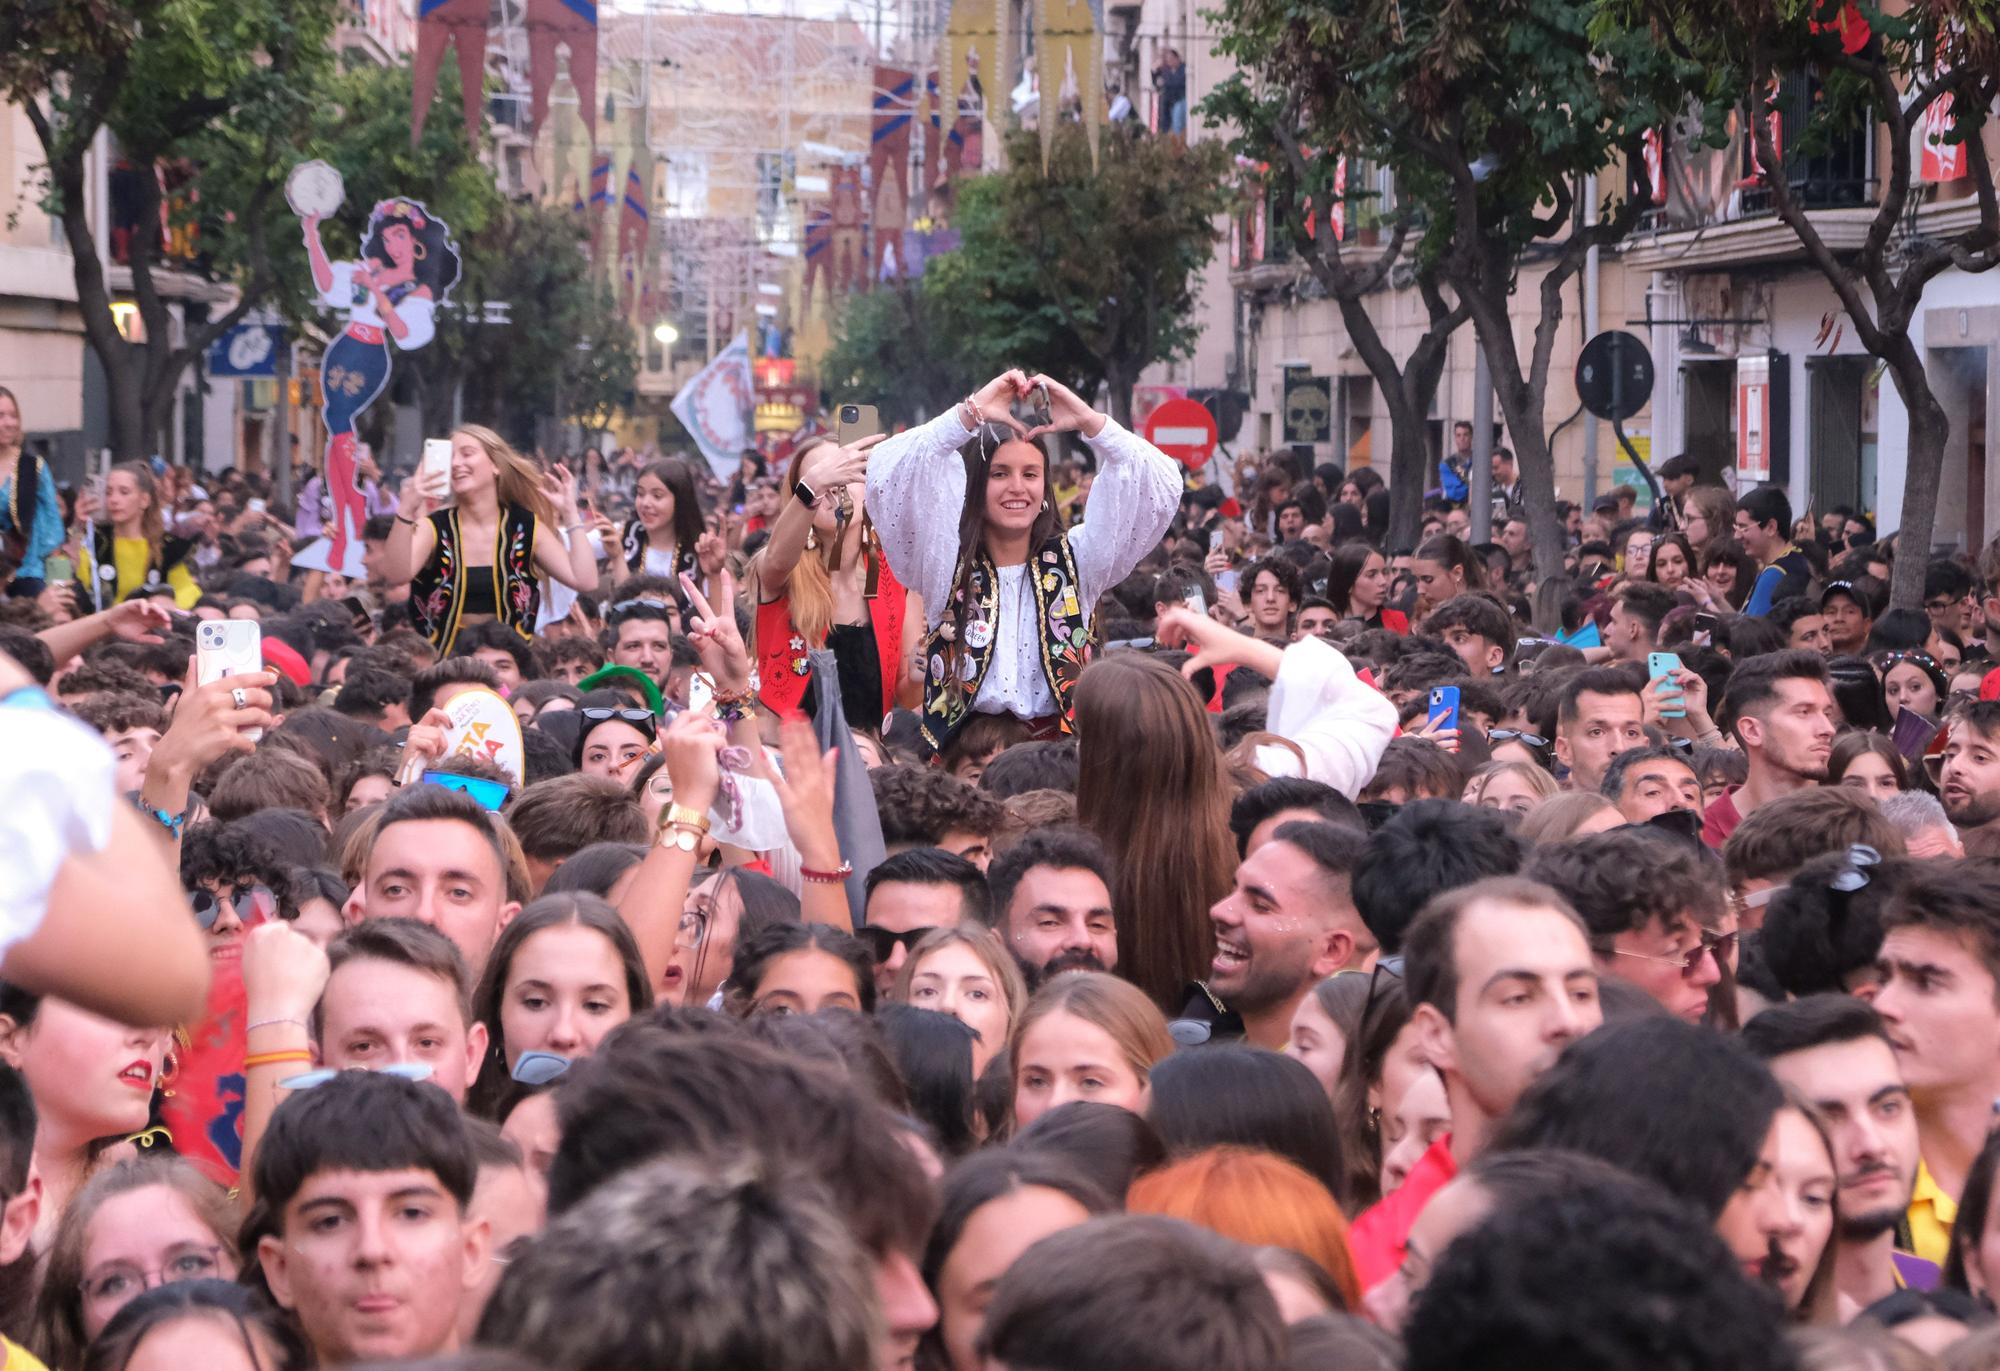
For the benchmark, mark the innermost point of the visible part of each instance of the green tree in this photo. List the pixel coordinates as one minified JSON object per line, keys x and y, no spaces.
{"x":1930,"y":51}
{"x":1088,"y":273}
{"x":901,"y":348}
{"x":220,"y":93}
{"x":1498,"y":121}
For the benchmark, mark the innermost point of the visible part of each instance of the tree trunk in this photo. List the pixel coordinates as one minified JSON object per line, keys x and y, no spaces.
{"x":1522,"y":403}
{"x":1930,"y":429}
{"x":1409,"y":454}
{"x":1118,"y":386}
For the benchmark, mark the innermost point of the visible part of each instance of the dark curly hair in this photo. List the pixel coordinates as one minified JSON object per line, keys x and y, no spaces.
{"x":1598,"y":1275}
{"x":213,"y":851}
{"x":1626,"y":879}
{"x":755,"y":953}
{"x":919,"y":805}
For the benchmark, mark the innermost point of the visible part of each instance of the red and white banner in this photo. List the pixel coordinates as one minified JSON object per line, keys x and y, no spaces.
{"x":1941,"y":161}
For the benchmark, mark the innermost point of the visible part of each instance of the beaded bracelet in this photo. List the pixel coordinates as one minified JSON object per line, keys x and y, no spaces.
{"x":173,"y":823}
{"x":833,"y":877}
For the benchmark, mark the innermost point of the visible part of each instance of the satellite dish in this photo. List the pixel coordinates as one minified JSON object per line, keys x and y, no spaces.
{"x":1614,"y":375}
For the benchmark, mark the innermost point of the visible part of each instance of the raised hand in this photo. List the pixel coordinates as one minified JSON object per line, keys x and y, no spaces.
{"x":830,"y":464}
{"x":806,"y":793}
{"x":693,"y":746}
{"x":715,"y":636}
{"x":1067,"y":411}
{"x":560,"y":486}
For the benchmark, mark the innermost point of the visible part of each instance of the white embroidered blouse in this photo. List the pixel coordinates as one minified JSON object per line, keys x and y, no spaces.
{"x":916,"y":492}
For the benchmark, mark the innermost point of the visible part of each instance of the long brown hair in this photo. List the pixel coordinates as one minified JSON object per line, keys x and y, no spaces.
{"x":1151,"y":788}
{"x":977,"y":454}
{"x":56,"y":1333}
{"x":153,"y":523}
{"x":516,"y":482}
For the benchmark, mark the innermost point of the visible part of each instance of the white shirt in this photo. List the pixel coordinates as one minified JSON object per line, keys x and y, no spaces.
{"x":916,"y":493}
{"x":414,"y":310}
{"x":1341,"y":724}
{"x":57,"y":788}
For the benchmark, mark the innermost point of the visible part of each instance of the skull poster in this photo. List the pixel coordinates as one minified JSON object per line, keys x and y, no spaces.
{"x":1308,"y":407}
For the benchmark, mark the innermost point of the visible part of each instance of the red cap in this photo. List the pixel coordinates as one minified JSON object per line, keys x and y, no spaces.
{"x":1231,"y":509}
{"x":1989,"y":689}
{"x":284,"y":659}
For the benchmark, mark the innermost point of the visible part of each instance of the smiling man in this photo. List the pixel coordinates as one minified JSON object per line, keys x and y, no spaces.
{"x":1969,"y":783}
{"x":1940,"y":1002}
{"x":366,"y":1180}
{"x":1288,"y":925}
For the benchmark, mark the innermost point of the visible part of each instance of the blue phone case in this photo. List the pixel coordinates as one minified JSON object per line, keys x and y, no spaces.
{"x":1444,"y":707}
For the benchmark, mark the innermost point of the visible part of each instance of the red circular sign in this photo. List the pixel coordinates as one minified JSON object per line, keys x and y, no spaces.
{"x":1184,"y":430}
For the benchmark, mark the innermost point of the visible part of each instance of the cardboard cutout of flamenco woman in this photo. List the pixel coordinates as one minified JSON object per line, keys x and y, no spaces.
{"x":389,"y":299}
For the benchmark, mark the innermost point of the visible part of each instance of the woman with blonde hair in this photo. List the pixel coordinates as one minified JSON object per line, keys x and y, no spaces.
{"x":968,"y":973}
{"x":155,"y":1215}
{"x":1260,"y":1200}
{"x":1151,"y":787}
{"x":1089,"y":1036}
{"x":130,"y":548}
{"x":478,"y":557}
{"x":1511,"y":787}
{"x":822,"y":581}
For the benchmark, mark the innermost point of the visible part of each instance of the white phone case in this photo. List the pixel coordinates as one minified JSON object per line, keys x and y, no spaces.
{"x":228,"y":647}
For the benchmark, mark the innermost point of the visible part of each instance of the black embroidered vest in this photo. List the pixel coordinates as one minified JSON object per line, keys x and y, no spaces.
{"x":437,"y":591}
{"x":1063,"y":642}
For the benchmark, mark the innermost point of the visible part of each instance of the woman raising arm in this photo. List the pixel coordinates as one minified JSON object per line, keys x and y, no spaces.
{"x":963,"y":510}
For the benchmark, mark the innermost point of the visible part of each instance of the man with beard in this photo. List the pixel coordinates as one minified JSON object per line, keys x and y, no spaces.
{"x":1969,"y":783}
{"x":1779,"y":708}
{"x":1052,"y":903}
{"x":1833,"y":1050}
{"x":1288,"y":925}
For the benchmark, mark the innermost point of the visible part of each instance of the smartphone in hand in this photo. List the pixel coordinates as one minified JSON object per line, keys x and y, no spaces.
{"x":1443,"y":707}
{"x":228,"y":647}
{"x":1660,"y":664}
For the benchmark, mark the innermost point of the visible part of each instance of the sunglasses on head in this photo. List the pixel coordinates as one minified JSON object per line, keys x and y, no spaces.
{"x":254,"y":904}
{"x":490,"y":794}
{"x":641,"y":719}
{"x":882,"y":943}
{"x":1516,"y":735}
{"x":311,"y":1080}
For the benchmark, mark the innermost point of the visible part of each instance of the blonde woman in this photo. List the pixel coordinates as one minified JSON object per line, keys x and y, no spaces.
{"x":477,"y":557}
{"x":968,"y":973}
{"x":1510,"y":787}
{"x":1086,"y":1036}
{"x":822,"y":581}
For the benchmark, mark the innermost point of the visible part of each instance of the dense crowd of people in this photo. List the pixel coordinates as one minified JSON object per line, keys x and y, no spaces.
{"x":990,"y":899}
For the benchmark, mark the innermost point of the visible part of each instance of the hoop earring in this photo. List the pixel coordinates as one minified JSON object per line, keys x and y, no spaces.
{"x":418,"y":250}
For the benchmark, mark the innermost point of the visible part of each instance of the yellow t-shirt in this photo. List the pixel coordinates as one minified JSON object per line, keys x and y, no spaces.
{"x":132,"y":557}
{"x":1932,"y":1213}
{"x":20,"y":1358}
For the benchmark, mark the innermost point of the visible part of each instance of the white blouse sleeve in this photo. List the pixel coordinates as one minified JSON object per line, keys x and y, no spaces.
{"x":916,"y":493}
{"x":56,"y":796}
{"x":339,"y":293}
{"x":1132,"y":501}
{"x":1340,"y":722}
{"x":419,"y":323}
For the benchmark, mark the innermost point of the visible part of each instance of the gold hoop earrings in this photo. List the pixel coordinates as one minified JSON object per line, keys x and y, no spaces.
{"x":418,"y":250}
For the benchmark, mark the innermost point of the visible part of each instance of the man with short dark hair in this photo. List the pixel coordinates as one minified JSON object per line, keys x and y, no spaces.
{"x":1506,"y":478}
{"x":1430,"y":847}
{"x":642,"y":636}
{"x":1649,"y":902}
{"x":1288,"y":925}
{"x":1803,"y":623}
{"x":366,"y":1181}
{"x":1601,"y":714}
{"x":1133,"y":1291}
{"x":1501,"y":979}
{"x":912,"y":893}
{"x":1272,"y":589}
{"x":1645,"y":782}
{"x":375,"y":696}
{"x":1052,"y":903}
{"x":1940,"y":1003}
{"x":1677,"y":477}
{"x":1764,"y":528}
{"x":1477,"y":629}
{"x":391,"y":991}
{"x":1833,"y":1051}
{"x":433,"y":855}
{"x":1638,"y":608}
{"x":1779,"y":708}
{"x":1258,"y":811}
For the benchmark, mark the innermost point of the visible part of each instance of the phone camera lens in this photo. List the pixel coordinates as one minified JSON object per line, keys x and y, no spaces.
{"x":850,"y":414}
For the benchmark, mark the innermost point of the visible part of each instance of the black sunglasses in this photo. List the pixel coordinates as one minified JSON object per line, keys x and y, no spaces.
{"x":882,"y":942}
{"x":1516,"y":735}
{"x":641,"y":719}
{"x":254,"y":904}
